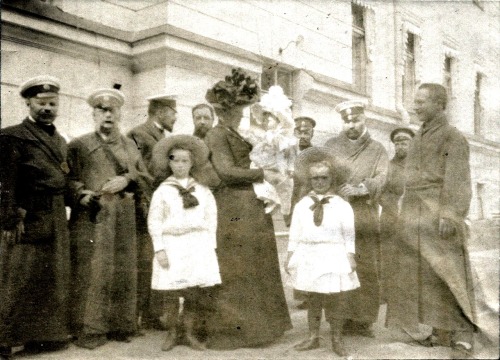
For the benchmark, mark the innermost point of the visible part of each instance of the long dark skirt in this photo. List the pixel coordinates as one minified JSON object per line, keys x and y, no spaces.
{"x":250,"y":307}
{"x":34,"y":286}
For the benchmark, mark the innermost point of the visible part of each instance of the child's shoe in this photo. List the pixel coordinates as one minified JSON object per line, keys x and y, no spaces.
{"x":170,"y":340}
{"x":307,"y":344}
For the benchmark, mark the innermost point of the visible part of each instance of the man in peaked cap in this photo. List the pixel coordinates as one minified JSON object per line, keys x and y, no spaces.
{"x":390,"y":199}
{"x":304,"y":131}
{"x":368,"y":162}
{"x":159,"y":124}
{"x":34,"y":245}
{"x":162,"y":115}
{"x":107,"y":180}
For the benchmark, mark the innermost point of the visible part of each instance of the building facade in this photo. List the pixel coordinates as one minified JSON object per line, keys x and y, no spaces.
{"x":321,"y":52}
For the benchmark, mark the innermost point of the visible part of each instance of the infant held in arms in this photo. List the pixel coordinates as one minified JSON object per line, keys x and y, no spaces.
{"x":274,"y":148}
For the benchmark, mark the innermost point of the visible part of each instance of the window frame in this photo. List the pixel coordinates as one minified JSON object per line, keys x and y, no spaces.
{"x":478,"y":108}
{"x":409,"y":75}
{"x":359,"y":49}
{"x":277,"y":70}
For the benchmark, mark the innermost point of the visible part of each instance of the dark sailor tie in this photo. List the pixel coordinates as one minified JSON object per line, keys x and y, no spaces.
{"x":188,"y":199}
{"x":317,"y":208}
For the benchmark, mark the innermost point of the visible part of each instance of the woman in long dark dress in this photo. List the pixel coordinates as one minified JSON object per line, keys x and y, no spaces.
{"x":250,"y":307}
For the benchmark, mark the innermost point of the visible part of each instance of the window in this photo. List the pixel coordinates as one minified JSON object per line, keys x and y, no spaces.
{"x":409,"y":76}
{"x":359,"y":56}
{"x":477,"y":104}
{"x":480,"y":201}
{"x":448,"y":80}
{"x":274,"y":75}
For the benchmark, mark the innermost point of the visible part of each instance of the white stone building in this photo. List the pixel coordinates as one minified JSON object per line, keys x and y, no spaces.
{"x":321,"y":52}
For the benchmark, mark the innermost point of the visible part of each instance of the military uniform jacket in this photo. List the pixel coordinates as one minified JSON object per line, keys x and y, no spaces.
{"x":145,"y":137}
{"x":368,"y":162}
{"x":33,"y":169}
{"x":34,"y":270}
{"x":438,"y":185}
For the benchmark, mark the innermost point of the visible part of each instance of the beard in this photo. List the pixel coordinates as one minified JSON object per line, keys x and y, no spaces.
{"x":353,"y":134}
{"x":304,"y":144}
{"x":201,"y":131}
{"x":401,"y":154}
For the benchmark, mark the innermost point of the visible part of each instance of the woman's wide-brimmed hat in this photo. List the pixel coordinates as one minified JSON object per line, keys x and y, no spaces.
{"x":159,"y":161}
{"x":237,"y":89}
{"x":317,"y":154}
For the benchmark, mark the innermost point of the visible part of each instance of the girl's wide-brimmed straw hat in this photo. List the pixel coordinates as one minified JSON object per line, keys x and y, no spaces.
{"x":159,"y":161}
{"x":317,"y":154}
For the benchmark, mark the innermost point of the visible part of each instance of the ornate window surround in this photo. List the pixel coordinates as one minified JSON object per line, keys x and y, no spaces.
{"x":407,"y":21}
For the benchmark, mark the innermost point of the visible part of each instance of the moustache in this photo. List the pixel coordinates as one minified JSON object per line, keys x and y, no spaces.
{"x":45,"y":115}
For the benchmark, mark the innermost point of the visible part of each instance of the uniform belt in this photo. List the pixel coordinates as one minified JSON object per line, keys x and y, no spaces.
{"x":365,"y":199}
{"x":424,"y":186}
{"x":38,"y":201}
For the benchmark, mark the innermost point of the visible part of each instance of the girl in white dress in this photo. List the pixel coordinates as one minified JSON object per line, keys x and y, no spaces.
{"x":182,"y":222}
{"x":321,"y":246}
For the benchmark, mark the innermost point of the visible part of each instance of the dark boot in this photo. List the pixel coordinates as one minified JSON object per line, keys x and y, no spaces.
{"x":337,"y":340}
{"x":91,"y":341}
{"x":307,"y":344}
{"x":191,"y":339}
{"x":171,"y":318}
{"x":438,"y":337}
{"x":170,"y":340}
{"x":352,"y":327}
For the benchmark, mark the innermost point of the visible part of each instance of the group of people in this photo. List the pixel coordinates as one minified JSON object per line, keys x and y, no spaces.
{"x":157,"y":217}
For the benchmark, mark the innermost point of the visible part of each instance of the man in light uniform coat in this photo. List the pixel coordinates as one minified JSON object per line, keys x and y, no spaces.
{"x":368,"y":161}
{"x":435,"y":285}
{"x":106,"y":177}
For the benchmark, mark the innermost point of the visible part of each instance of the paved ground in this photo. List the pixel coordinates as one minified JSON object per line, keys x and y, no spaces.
{"x":389,"y":344}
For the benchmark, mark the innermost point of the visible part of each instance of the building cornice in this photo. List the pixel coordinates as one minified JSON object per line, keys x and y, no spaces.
{"x":34,"y":16}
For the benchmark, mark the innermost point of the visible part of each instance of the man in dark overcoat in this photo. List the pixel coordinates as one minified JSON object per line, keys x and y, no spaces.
{"x":162,"y":115}
{"x":34,"y":245}
{"x":390,"y":202}
{"x":368,"y":162}
{"x":106,"y":176}
{"x":435,"y":285}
